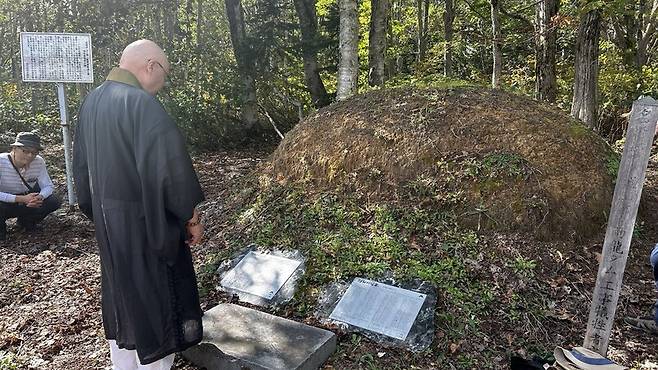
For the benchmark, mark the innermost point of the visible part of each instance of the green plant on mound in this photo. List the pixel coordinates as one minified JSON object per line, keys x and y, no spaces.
{"x":429,"y":80}
{"x":578,"y":130}
{"x":344,"y":236}
{"x":504,"y":165}
{"x":612,"y":163}
{"x":8,"y":361}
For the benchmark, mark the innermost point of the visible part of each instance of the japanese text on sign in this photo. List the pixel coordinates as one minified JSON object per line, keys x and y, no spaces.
{"x":56,"y":57}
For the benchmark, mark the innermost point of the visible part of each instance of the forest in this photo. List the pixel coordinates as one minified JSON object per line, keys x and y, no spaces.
{"x":240,"y":66}
{"x":470,"y":147}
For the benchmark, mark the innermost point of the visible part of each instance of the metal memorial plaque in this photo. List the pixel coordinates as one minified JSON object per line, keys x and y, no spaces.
{"x":260,"y":274}
{"x":56,"y":57}
{"x":378,"y":307}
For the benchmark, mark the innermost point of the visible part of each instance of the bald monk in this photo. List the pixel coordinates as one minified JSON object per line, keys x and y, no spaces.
{"x":135,"y":180}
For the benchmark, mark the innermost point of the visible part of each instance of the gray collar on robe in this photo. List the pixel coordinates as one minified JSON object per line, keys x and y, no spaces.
{"x":123,"y":75}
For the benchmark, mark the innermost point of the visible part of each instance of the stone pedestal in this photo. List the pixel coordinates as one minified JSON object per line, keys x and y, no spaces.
{"x":237,"y":337}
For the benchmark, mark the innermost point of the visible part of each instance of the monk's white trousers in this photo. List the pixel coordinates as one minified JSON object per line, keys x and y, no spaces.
{"x":123,"y":359}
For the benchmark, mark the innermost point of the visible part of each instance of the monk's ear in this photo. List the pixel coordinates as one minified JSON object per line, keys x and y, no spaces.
{"x":150,"y":65}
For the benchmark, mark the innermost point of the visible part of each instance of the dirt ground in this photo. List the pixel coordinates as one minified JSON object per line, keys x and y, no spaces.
{"x":50,"y":284}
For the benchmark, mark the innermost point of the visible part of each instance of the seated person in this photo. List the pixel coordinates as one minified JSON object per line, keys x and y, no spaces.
{"x":26,"y":191}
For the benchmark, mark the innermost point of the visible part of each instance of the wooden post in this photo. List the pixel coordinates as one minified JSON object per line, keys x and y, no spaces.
{"x":625,"y":202}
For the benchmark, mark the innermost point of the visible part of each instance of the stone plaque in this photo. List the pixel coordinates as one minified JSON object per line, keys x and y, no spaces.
{"x":260,"y":274}
{"x":378,"y":307}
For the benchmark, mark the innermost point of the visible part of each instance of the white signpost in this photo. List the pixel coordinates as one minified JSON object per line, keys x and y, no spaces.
{"x":58,"y":58}
{"x":621,"y":222}
{"x":378,"y":307}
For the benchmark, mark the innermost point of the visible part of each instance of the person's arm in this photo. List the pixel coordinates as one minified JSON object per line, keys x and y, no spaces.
{"x":11,"y":198}
{"x":20,"y":199}
{"x":8,"y":198}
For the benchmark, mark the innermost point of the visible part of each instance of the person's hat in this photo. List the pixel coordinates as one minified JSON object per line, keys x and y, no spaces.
{"x":28,"y":139}
{"x":585,"y":359}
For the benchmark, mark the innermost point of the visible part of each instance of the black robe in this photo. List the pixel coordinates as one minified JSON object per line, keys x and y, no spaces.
{"x":135,"y":180}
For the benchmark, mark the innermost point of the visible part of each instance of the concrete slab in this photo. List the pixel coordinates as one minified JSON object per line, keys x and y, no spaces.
{"x":237,"y":337}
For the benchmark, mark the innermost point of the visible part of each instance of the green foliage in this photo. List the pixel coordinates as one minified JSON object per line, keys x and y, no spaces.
{"x":206,"y":92}
{"x":499,"y":165}
{"x":16,"y":113}
{"x":344,"y":237}
{"x":639,"y":229}
{"x":429,"y":80}
{"x":8,"y":361}
{"x":524,"y":266}
{"x":613,"y":161}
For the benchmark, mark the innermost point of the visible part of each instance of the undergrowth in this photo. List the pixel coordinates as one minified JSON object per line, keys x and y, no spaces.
{"x":345,"y":236}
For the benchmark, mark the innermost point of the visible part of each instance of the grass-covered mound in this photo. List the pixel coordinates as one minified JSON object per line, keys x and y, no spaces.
{"x":398,"y":183}
{"x":494,"y":159}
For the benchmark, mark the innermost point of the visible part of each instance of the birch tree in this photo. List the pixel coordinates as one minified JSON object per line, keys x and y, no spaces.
{"x":496,"y":44}
{"x":348,"y":64}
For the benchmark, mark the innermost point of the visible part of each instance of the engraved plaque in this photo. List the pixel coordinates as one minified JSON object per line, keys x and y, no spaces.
{"x":378,"y":307}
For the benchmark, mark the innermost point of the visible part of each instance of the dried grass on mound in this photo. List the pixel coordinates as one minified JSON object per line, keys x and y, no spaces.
{"x":499,"y":160}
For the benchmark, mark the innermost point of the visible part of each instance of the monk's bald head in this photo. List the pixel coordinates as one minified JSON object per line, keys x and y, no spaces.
{"x":146,"y":60}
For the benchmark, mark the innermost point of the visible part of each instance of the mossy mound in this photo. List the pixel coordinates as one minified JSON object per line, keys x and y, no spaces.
{"x":497,"y":160}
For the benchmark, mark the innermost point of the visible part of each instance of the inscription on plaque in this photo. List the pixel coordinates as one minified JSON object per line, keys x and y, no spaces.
{"x":260,"y":274}
{"x":378,"y":307}
{"x":56,"y":57}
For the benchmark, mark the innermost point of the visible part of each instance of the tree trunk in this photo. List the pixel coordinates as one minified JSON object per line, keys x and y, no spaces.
{"x":584,"y":104}
{"x":635,"y":31}
{"x":390,"y":65}
{"x":448,"y":20}
{"x":647,"y":32}
{"x":199,"y":23}
{"x":157,"y":29}
{"x":199,"y":43}
{"x":169,"y":26}
{"x":496,"y":44}
{"x":422,"y":8}
{"x":348,"y":65}
{"x":14,"y":67}
{"x":377,"y":41}
{"x":308,"y":23}
{"x":546,"y":48}
{"x":244,"y":60}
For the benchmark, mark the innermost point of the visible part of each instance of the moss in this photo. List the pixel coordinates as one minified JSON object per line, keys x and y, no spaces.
{"x":489,"y":185}
{"x":578,"y":130}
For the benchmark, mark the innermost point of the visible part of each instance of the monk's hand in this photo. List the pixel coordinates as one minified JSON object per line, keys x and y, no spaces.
{"x":195,"y":234}
{"x":194,"y":229}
